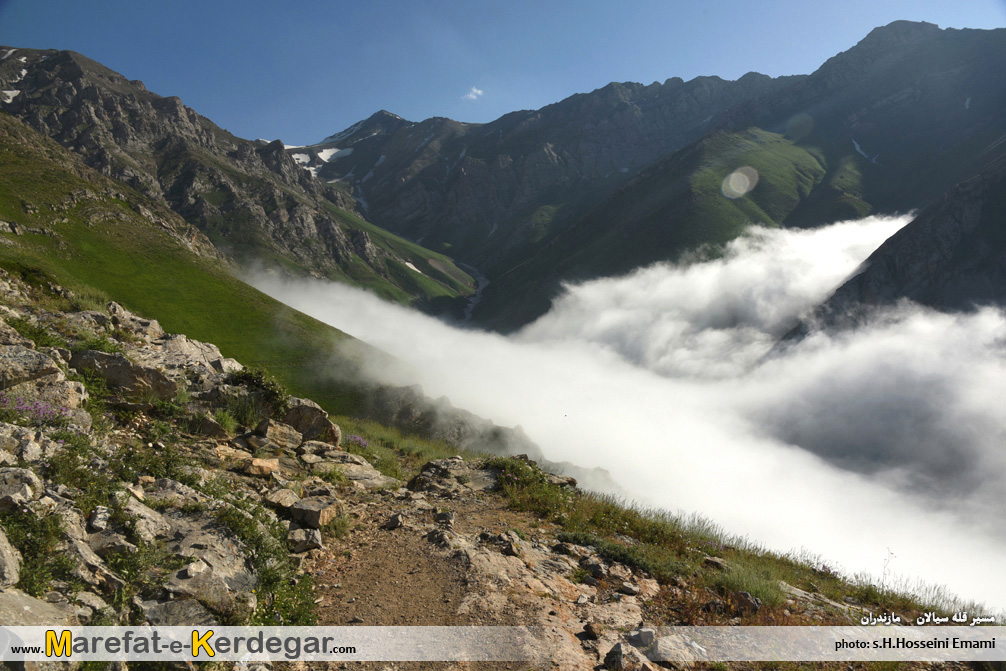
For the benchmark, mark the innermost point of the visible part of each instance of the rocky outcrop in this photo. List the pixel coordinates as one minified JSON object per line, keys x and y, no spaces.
{"x":250,"y":198}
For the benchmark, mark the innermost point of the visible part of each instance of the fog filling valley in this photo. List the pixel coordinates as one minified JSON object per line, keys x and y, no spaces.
{"x":881,"y":445}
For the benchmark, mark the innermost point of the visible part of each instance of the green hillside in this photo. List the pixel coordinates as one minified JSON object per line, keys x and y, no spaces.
{"x":678,"y":206}
{"x":92,"y":237}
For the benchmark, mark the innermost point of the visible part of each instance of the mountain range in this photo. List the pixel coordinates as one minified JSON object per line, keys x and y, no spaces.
{"x":597,"y":184}
{"x":110,"y":192}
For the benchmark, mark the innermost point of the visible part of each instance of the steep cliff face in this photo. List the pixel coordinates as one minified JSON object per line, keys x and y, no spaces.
{"x":249,"y":197}
{"x":951,"y":257}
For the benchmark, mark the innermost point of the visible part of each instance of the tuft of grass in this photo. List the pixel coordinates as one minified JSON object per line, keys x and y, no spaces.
{"x":226,"y":420}
{"x":758,"y":578}
{"x":98,"y":343}
{"x":660,"y":562}
{"x":340,"y":526}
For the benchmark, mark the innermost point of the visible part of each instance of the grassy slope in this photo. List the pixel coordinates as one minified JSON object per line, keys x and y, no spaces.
{"x":677,"y":206}
{"x":106,"y":245}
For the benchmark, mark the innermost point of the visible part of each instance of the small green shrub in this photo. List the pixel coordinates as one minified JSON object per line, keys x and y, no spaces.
{"x":37,"y":333}
{"x":247,"y":410}
{"x":273,"y":395}
{"x":98,"y":343}
{"x":36,"y":538}
{"x":284,"y":597}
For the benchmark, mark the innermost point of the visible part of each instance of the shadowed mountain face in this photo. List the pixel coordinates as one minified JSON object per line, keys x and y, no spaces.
{"x":951,"y":257}
{"x":627,"y":175}
{"x":481,"y":188}
{"x":250,"y":198}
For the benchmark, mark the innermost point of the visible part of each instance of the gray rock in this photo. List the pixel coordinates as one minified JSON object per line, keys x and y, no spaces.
{"x":184,"y":612}
{"x":138,"y":383}
{"x":19,"y":609}
{"x":595,"y":567}
{"x":10,"y":562}
{"x":282,"y":498}
{"x":615,"y":658}
{"x":312,"y":421}
{"x":628,"y":588}
{"x":91,"y":600}
{"x":108,"y":544}
{"x":302,"y":540}
{"x":123,"y":318}
{"x":172,"y":492}
{"x":395,"y":521}
{"x":279,"y":433}
{"x":316,"y":511}
{"x":19,"y":364}
{"x":357,"y":469}
{"x":643,"y":638}
{"x":716,"y":563}
{"x":99,"y":518}
{"x":195,"y":568}
{"x":313,"y":447}
{"x":18,"y":486}
{"x":225,"y":584}
{"x":745,"y":604}
{"x":149,"y":524}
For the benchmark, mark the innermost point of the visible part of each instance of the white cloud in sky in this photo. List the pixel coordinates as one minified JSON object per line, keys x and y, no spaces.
{"x":473,"y":94}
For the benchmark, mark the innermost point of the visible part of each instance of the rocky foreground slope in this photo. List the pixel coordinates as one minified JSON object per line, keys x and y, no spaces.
{"x":148,"y":478}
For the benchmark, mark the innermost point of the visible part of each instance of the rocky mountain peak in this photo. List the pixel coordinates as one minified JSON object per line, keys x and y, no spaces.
{"x":899,"y":33}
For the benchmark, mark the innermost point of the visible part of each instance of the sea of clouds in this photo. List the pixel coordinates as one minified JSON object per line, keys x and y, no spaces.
{"x":882,"y":449}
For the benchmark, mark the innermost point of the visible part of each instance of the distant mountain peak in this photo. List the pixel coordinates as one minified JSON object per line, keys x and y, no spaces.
{"x":900,"y":32}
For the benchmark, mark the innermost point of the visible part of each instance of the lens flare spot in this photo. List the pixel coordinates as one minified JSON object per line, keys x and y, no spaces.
{"x":739,"y":182}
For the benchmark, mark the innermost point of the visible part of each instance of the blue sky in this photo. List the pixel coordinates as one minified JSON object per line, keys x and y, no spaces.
{"x":302,"y":70}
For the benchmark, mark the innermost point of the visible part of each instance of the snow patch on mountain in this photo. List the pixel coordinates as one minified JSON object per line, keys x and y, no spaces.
{"x":327,"y":154}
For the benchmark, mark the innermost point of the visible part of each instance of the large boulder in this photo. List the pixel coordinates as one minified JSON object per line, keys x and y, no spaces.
{"x":19,"y":609}
{"x":124,"y":319}
{"x":316,"y":511}
{"x":279,"y":433}
{"x":358,"y":470}
{"x":19,"y":364}
{"x":135,"y":381}
{"x":18,"y":486}
{"x":312,"y":421}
